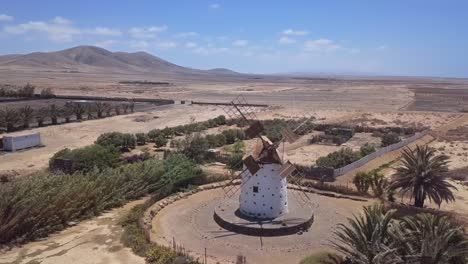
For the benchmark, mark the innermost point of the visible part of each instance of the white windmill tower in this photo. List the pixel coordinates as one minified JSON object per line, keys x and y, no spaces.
{"x":265,"y":174}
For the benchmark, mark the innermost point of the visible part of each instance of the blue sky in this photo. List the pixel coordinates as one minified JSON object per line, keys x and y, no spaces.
{"x":395,"y":37}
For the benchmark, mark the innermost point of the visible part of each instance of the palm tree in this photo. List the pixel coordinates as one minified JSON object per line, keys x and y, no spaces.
{"x":100,"y":108}
{"x":117,"y":109}
{"x":90,"y":110}
{"x":78,"y":110}
{"x":41,"y":115}
{"x":26,"y":114}
{"x":125,"y":107}
{"x":365,"y":239}
{"x":54,"y":113}
{"x":108,"y":109}
{"x":67,"y":112}
{"x":422,"y":175}
{"x":132,"y":106}
{"x":430,"y":239}
{"x":10,"y":118}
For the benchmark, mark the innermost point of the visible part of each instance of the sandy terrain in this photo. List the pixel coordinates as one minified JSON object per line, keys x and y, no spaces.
{"x":190,"y":222}
{"x":94,"y":241}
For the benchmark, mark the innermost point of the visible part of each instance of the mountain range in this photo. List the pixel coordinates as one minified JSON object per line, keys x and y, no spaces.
{"x":99,"y":60}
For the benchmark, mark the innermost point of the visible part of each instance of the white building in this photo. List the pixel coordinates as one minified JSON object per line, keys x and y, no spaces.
{"x":13,"y":143}
{"x":264,"y":194}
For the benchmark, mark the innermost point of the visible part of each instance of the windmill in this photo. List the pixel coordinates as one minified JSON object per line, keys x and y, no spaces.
{"x":265,"y":174}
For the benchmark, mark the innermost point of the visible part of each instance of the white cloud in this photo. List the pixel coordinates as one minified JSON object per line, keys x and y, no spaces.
{"x":103,"y":31}
{"x":54,"y":31}
{"x":210,"y":50}
{"x":58,"y":29}
{"x":240,"y":43}
{"x":146,"y":32}
{"x":106,"y":43}
{"x":292,"y":32}
{"x":61,"y":20}
{"x":4,"y":17}
{"x":215,"y":6}
{"x":140,"y":44}
{"x":187,"y":34}
{"x":191,"y":45}
{"x":166,"y":45}
{"x":286,"y":40}
{"x":321,"y":45}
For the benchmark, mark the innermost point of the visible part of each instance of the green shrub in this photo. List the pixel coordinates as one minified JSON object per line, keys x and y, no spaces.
{"x":378,"y":183}
{"x":220,"y":120}
{"x":215,"y":141}
{"x":141,"y":138}
{"x":87,"y":158}
{"x":323,"y":258}
{"x":362,"y":181}
{"x":160,"y":141}
{"x":117,"y":139}
{"x":195,"y":147}
{"x":153,"y":134}
{"x":367,"y":149}
{"x":338,"y":158}
{"x":390,"y":138}
{"x":167,"y":132}
{"x":235,"y":161}
{"x":134,"y":237}
{"x":46,"y":202}
{"x":232,"y":135}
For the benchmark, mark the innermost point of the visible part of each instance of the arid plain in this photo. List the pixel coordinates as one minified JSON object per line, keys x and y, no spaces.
{"x":436,"y":103}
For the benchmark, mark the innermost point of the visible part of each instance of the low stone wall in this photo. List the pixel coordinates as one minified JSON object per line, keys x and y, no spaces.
{"x":153,"y":210}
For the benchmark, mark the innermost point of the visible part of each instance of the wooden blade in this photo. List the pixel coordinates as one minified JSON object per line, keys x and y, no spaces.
{"x":288,"y":135}
{"x":254,"y":129}
{"x":251,"y":164}
{"x":287,"y":169}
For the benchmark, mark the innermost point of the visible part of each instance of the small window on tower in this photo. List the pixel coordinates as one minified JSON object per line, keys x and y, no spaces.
{"x":255,"y":189}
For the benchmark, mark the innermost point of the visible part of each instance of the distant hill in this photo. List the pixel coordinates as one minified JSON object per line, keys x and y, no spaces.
{"x":223,"y":70}
{"x":95,"y":59}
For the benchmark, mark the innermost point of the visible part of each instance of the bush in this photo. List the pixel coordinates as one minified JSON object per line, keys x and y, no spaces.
{"x":232,"y":135}
{"x":323,"y":258}
{"x":215,"y":141}
{"x":47,"y":93}
{"x":338,"y":158}
{"x":220,"y":120}
{"x":44,"y":203}
{"x":119,"y":140}
{"x":160,"y":141}
{"x":390,"y":139}
{"x":362,"y":181}
{"x":366,"y":149}
{"x":141,"y":138}
{"x":195,"y":147}
{"x":88,"y":158}
{"x":153,"y":134}
{"x":235,"y":161}
{"x":134,"y":237}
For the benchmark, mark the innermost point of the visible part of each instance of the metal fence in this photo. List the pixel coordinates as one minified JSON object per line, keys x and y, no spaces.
{"x":378,"y":153}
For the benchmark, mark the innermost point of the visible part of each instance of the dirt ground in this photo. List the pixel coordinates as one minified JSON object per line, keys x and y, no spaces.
{"x":94,"y":241}
{"x":338,"y":101}
{"x":190,"y":223}
{"x":76,"y":135}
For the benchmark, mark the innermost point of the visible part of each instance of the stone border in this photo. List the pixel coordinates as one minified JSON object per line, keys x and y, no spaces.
{"x":146,"y":222}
